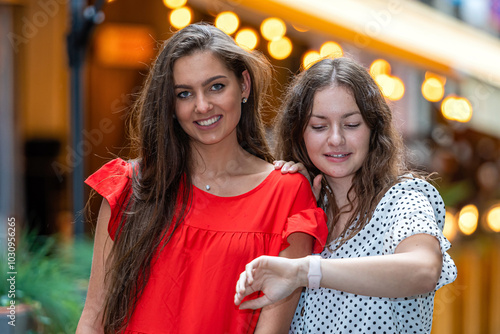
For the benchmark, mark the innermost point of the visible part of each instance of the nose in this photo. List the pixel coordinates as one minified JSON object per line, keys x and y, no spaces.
{"x":336,"y":136}
{"x":202,"y":104}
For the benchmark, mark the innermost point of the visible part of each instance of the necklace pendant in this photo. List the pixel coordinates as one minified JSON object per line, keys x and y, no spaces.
{"x":207,"y":187}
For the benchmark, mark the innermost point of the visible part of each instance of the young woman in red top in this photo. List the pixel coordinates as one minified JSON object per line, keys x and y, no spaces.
{"x":202,"y":199}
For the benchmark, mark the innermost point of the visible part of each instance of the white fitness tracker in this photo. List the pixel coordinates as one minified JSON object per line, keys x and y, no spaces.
{"x":314,"y":274}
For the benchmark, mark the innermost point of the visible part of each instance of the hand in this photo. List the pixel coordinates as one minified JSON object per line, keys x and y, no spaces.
{"x":276,"y":277}
{"x":294,"y":167}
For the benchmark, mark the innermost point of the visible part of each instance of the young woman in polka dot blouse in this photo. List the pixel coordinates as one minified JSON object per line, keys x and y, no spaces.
{"x":386,"y":255}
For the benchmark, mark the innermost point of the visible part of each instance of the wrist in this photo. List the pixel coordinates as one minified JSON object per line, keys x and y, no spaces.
{"x":303,"y":269}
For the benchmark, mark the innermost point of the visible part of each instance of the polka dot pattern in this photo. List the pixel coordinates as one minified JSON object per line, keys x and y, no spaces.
{"x":411,"y":207}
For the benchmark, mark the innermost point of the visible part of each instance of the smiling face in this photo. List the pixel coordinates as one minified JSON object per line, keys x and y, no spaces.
{"x":337,"y":138}
{"x":208,"y":98}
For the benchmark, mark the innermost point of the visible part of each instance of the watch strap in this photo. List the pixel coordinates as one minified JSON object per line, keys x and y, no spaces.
{"x":314,"y":275}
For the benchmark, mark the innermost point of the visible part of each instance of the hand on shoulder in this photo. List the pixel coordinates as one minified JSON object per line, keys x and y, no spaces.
{"x":294,"y":167}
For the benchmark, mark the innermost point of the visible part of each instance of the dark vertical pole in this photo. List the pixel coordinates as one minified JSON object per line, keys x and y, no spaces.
{"x":83,"y":20}
{"x":76,"y":57}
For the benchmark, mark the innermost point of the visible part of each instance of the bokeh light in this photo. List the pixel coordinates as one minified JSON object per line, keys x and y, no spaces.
{"x":227,"y":22}
{"x":441,"y":78}
{"x":385,"y":83}
{"x":379,"y":67}
{"x":247,"y":38}
{"x":273,"y":28}
{"x":432,"y":90}
{"x":174,"y":3}
{"x":398,"y":90}
{"x":493,"y":218}
{"x":456,"y":109}
{"x":450,"y":226}
{"x":309,"y":58}
{"x":331,"y":49}
{"x":468,"y":219}
{"x":281,"y":48}
{"x":299,"y":28}
{"x":180,"y":17}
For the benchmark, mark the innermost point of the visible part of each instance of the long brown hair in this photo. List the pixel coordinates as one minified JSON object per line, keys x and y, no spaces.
{"x":161,"y":181}
{"x":385,"y":161}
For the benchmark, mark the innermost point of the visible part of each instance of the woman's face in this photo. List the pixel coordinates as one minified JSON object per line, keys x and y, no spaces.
{"x":208,"y":98}
{"x":337,"y":138}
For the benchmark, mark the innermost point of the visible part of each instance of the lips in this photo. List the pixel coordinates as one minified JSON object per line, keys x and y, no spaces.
{"x":208,"y":122}
{"x":338,"y":156}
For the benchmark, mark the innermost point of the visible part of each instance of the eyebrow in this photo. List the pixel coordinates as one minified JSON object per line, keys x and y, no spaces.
{"x":343,"y":116}
{"x":204,"y":83}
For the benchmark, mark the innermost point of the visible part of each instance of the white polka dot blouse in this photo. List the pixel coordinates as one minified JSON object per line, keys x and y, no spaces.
{"x":411,"y":207}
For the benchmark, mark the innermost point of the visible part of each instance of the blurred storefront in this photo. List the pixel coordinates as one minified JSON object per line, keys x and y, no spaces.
{"x":440,"y":74}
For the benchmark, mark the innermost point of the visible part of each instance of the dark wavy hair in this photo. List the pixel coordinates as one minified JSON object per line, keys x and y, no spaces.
{"x":385,"y":162}
{"x":161,"y":180}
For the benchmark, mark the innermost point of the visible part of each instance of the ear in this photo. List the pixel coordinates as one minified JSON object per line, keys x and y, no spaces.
{"x":246,"y":85}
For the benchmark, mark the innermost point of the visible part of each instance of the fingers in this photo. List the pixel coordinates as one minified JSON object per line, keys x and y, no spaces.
{"x":278,"y":164}
{"x":241,"y":289}
{"x":288,"y":167}
{"x":249,"y":271}
{"x":243,"y":286}
{"x":256,"y":303}
{"x":316,"y":187}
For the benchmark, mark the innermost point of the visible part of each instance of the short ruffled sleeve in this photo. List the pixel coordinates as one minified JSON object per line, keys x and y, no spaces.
{"x":113,"y":182}
{"x":306,"y":217}
{"x":310,"y":221}
{"x":421,"y":210}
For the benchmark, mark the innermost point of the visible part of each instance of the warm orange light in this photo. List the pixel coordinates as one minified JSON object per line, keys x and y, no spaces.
{"x":493,"y":218}
{"x":174,"y":3}
{"x":299,"y":28}
{"x":180,"y":17}
{"x":309,"y":58}
{"x":432,"y":89}
{"x":227,"y":22}
{"x":467,"y":219}
{"x":385,"y":83}
{"x":281,"y":48}
{"x":247,"y":38}
{"x":273,"y":28}
{"x":379,"y":67}
{"x":331,"y":49}
{"x":456,"y":109}
{"x":441,"y":78}
{"x":128,"y":46}
{"x":399,"y":89}
{"x":450,"y":226}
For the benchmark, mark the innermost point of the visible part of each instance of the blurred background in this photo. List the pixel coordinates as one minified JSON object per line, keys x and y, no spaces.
{"x":64,"y":104}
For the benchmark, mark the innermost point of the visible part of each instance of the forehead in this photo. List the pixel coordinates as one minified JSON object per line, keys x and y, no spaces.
{"x":334,"y":98}
{"x":198,"y":66}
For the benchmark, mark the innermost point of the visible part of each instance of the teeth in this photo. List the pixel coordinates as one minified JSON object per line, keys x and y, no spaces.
{"x":209,"y":121}
{"x":337,"y":155}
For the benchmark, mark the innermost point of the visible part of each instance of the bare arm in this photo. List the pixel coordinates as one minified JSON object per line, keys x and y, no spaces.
{"x":277,"y":318}
{"x":91,"y":319}
{"x":413,"y":269}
